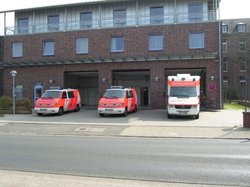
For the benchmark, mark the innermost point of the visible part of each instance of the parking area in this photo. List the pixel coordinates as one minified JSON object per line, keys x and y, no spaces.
{"x":220,"y":118}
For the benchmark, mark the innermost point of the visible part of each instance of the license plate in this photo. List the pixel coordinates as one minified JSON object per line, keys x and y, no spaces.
{"x":182,"y":112}
{"x":43,"y":110}
{"x":108,"y":109}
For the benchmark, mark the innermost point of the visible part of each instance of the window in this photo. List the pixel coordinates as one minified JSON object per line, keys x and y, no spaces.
{"x":64,"y":95}
{"x":195,"y":12}
{"x":71,"y":94}
{"x":225,"y":65}
{"x":155,"y":42}
{"x":241,"y":27}
{"x":117,"y":44}
{"x":17,"y":49}
{"x":86,"y":20}
{"x":242,"y":46}
{"x":82,"y":45}
{"x":23,"y":25}
{"x":224,"y":28}
{"x":224,"y":46}
{"x":48,"y":48}
{"x":19,"y":92}
{"x":53,"y":23}
{"x":119,"y":17}
{"x":243,"y":64}
{"x":225,"y":83}
{"x":242,"y":80}
{"x":156,"y":15}
{"x":196,"y":40}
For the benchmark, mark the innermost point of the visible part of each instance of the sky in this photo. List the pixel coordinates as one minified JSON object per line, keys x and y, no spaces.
{"x":229,"y":9}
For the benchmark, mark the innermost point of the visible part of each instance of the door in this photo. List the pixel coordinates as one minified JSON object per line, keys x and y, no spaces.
{"x":38,"y":91}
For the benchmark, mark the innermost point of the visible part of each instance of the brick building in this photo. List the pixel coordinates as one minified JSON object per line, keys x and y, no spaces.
{"x":96,"y":44}
{"x":236,"y":56}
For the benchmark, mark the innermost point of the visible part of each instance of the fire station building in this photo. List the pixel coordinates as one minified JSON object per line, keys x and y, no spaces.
{"x":98,"y":43}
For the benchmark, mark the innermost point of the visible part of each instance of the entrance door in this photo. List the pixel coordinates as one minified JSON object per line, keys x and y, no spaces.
{"x":38,"y":91}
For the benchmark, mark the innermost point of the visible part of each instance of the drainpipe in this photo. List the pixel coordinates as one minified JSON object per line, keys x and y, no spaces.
{"x":220,"y":57}
{"x":175,"y":13}
{"x":4,"y":25}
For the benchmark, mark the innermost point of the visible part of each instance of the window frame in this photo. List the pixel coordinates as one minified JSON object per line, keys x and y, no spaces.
{"x":53,"y":26}
{"x":192,"y":16}
{"x":242,"y":27}
{"x":119,"y":21}
{"x":23,"y":27}
{"x":244,"y":44}
{"x":201,"y":44}
{"x":225,"y":83}
{"x":85,"y":49}
{"x":115,"y":50}
{"x":52,"y":53}
{"x":154,"y":17}
{"x":86,"y":23}
{"x":224,"y":46}
{"x":242,"y":62}
{"x":224,"y":28}
{"x":158,"y":47}
{"x":225,"y":64}
{"x":17,"y":50}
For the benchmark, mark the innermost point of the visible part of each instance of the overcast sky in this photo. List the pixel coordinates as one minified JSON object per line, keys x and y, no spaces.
{"x":229,"y":8}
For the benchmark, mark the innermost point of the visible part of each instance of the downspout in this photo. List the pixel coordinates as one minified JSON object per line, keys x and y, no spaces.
{"x":1,"y":68}
{"x":175,"y":12}
{"x":220,"y":57}
{"x":137,"y":13}
{"x":4,"y":25}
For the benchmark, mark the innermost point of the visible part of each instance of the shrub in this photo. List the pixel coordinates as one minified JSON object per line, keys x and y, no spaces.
{"x":26,"y":103}
{"x":23,"y":103}
{"x":5,"y":102}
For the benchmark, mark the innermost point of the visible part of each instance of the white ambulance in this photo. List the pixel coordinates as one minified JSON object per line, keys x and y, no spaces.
{"x":183,"y":97}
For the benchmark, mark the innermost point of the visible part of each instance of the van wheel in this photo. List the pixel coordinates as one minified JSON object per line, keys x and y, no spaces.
{"x":60,"y":112}
{"x":77,"y":109}
{"x":39,"y":114}
{"x":197,"y":116}
{"x":101,"y":115}
{"x":135,"y":110}
{"x":125,"y":112}
{"x":170,"y":116}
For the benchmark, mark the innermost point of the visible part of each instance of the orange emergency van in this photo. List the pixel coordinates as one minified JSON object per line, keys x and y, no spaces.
{"x":58,"y":101}
{"x":118,"y":100}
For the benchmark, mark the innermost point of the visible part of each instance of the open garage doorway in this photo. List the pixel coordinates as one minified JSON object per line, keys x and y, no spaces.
{"x":139,"y":79}
{"x":199,"y":71}
{"x":88,"y":85}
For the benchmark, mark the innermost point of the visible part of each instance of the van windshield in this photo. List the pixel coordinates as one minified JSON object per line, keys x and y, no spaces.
{"x":51,"y":94}
{"x":114,"y":94}
{"x":180,"y":91}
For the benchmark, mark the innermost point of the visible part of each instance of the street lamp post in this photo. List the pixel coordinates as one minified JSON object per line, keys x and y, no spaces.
{"x":13,"y":74}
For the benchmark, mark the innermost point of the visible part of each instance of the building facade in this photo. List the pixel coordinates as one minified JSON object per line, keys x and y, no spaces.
{"x":96,"y":44}
{"x":236,"y":56}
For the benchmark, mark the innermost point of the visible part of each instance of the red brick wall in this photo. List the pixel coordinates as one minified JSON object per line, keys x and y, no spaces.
{"x":136,"y":44}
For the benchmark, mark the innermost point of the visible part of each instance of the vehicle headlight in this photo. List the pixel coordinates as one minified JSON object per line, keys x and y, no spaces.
{"x":101,"y":104}
{"x":119,"y":104}
{"x":170,"y":106}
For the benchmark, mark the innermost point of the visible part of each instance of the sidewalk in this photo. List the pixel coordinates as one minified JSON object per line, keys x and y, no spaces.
{"x":145,"y":123}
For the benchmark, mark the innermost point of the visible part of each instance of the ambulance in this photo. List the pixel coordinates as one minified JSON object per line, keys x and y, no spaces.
{"x":183,"y":97}
{"x":118,"y":100}
{"x":58,"y":101}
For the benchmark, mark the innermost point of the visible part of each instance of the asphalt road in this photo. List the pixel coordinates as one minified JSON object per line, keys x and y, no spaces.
{"x":196,"y":161}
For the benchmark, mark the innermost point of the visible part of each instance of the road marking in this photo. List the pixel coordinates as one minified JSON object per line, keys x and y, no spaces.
{"x":90,"y":129}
